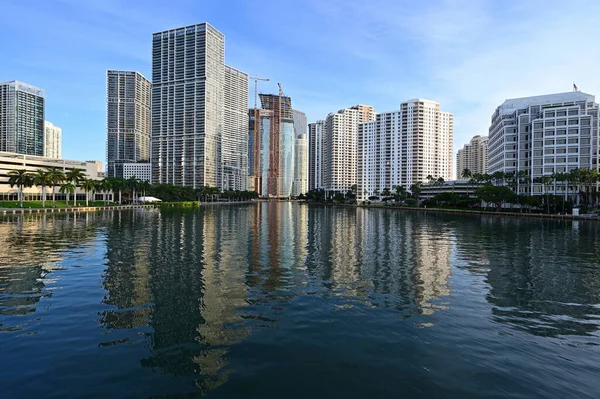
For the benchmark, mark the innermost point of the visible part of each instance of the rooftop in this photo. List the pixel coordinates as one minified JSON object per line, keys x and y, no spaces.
{"x":510,"y":105}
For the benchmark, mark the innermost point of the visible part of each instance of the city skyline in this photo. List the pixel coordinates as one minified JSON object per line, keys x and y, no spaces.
{"x":117,"y":36}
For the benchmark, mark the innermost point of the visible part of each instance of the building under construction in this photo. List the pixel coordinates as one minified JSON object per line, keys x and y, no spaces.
{"x":271,"y":146}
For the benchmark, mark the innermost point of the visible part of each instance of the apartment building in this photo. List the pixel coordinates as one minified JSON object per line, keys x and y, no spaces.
{"x":366,"y":113}
{"x":301,"y":166}
{"x":22,"y":118}
{"x":188,"y":74}
{"x":127,"y":120}
{"x":52,"y":141}
{"x":234,"y":140}
{"x":472,"y":156}
{"x":315,"y":155}
{"x":340,"y":150}
{"x":404,"y":147}
{"x":545,"y":134}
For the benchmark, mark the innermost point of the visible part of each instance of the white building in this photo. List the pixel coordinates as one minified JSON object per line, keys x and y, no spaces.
{"x":366,"y":113}
{"x":11,"y":161}
{"x":340,"y":150}
{"x":52,"y":140}
{"x":404,"y":147}
{"x":188,"y":72}
{"x":127,"y":120}
{"x":301,"y":166}
{"x":141,"y":171}
{"x":472,"y":156}
{"x":234,"y":140}
{"x":315,"y":155}
{"x":542,"y":135}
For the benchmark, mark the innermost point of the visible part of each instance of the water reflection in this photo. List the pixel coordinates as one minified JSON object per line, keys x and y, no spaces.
{"x":182,"y":291}
{"x":31,"y":249}
{"x":543,"y":276}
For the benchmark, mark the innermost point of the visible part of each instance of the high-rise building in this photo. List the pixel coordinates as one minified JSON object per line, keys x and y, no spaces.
{"x":234,"y":140}
{"x":301,"y":166}
{"x":21,"y":118}
{"x":546,"y":134}
{"x":472,"y":157}
{"x":188,"y":77}
{"x":366,"y":113}
{"x":277,"y":145}
{"x":315,"y":155}
{"x":404,"y":147}
{"x":52,"y":141}
{"x":340,"y":150}
{"x":300,"y":125}
{"x":127,"y":120}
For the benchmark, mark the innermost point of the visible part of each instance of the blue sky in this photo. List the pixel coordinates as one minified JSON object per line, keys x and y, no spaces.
{"x":469,"y":55}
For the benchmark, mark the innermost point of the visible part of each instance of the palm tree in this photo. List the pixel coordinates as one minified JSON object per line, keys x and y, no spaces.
{"x":132,"y":184}
{"x":118,"y":184}
{"x":56,"y":177}
{"x":74,"y":176}
{"x":68,"y":188}
{"x":466,"y":173}
{"x":20,"y":178}
{"x":42,"y":178}
{"x":440,"y":181}
{"x":430,"y":178}
{"x":105,"y":186}
{"x":87,"y":185}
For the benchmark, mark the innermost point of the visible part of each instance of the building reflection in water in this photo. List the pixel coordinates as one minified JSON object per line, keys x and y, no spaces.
{"x":542,"y":276}
{"x":30,"y":251}
{"x":393,"y":259}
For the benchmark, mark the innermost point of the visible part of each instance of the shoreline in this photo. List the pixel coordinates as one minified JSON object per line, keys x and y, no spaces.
{"x":469,"y":212}
{"x":73,"y":209}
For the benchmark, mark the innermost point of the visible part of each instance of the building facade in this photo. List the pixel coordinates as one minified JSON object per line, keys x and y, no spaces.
{"x":542,"y":135}
{"x":188,"y":76}
{"x":315,"y":155}
{"x":340,"y":150}
{"x":366,"y":113}
{"x":31,"y":163}
{"x":22,"y":115}
{"x":52,"y":141}
{"x":404,"y":147}
{"x":127,"y":120}
{"x":234,"y":140}
{"x":139,"y":170}
{"x":472,"y":156}
{"x":301,"y":166}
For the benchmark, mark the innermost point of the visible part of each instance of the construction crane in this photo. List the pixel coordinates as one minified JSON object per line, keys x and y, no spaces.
{"x":256,"y":135}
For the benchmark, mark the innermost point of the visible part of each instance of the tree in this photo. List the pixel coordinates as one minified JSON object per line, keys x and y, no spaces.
{"x":56,"y":177}
{"x":87,"y":185}
{"x":42,"y":178}
{"x":415,"y":190}
{"x":20,"y":178}
{"x":430,"y":178}
{"x":498,"y":176}
{"x":132,"y":184}
{"x":497,"y":195}
{"x":74,"y":176}
{"x":386,"y":192}
{"x":466,"y":173}
{"x":400,"y":193}
{"x":440,"y":181}
{"x":68,"y":188}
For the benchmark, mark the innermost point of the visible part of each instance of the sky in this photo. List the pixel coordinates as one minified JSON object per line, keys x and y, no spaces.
{"x":468,"y":55}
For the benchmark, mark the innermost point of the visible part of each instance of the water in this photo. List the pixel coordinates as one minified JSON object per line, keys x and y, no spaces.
{"x":293,"y":301}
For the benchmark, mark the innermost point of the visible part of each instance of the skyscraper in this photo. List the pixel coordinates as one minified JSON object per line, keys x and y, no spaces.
{"x":21,"y":118}
{"x":127,"y":120}
{"x":472,"y":156}
{"x":340,"y":147}
{"x":278,"y":173}
{"x":301,"y":166}
{"x":188,"y":77}
{"x":404,"y":147}
{"x":234,"y":140}
{"x":542,"y":135}
{"x":315,"y":155}
{"x":52,"y":141}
